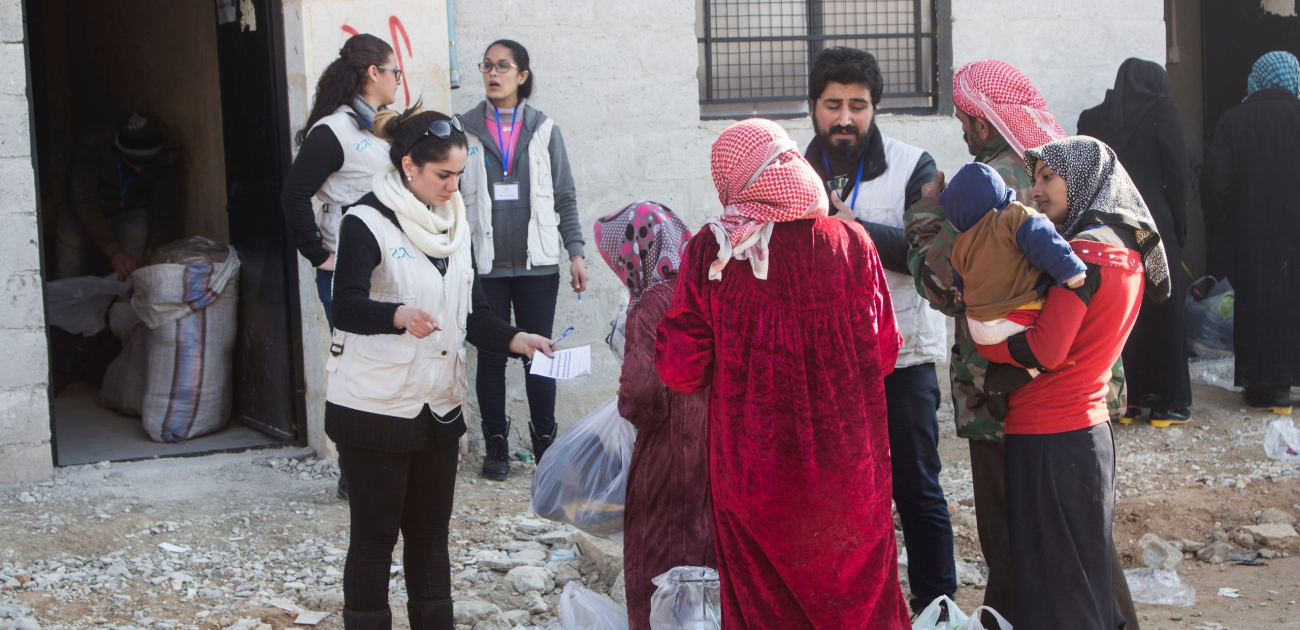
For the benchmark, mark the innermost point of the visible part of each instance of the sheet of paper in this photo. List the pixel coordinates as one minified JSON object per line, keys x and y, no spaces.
{"x":565,"y":365}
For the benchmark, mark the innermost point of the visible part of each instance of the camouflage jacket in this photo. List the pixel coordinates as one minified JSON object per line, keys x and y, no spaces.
{"x":930,"y":238}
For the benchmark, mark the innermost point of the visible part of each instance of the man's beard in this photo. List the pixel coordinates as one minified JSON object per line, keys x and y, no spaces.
{"x":844,"y":150}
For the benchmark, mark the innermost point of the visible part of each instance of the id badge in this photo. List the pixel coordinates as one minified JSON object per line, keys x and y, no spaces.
{"x":505,"y":192}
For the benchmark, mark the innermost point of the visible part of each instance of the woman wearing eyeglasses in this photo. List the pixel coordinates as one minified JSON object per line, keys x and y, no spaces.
{"x":406,"y":300}
{"x":523,"y":211}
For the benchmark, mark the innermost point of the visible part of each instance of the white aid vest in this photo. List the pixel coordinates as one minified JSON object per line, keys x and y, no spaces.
{"x":883,"y":200}
{"x":396,"y":375}
{"x":364,"y":154}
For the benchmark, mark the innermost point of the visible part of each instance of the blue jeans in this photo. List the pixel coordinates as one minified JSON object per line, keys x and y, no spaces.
{"x":912,"y":399}
{"x":77,"y":253}
{"x":325,"y":289}
{"x":533,"y":299}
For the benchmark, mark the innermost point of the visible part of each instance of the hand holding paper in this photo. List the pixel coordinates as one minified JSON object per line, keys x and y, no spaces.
{"x":565,"y":364}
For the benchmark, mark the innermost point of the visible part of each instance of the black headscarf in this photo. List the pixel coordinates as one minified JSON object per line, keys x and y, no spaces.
{"x":1099,"y":191}
{"x":1139,"y":85}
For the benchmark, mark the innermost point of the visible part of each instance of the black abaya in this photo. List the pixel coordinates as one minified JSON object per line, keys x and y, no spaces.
{"x":1140,"y":122}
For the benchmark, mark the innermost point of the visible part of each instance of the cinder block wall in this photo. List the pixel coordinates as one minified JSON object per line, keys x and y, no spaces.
{"x":24,"y":373}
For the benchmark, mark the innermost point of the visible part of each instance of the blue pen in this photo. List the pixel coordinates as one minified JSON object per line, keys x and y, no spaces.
{"x":562,"y":335}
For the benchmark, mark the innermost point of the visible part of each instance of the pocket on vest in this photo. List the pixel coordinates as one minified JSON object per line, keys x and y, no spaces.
{"x":379,"y":366}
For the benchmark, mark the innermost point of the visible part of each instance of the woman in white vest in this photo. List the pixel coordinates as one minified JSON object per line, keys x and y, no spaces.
{"x":519,"y":196}
{"x":406,"y":300}
{"x":338,"y":150}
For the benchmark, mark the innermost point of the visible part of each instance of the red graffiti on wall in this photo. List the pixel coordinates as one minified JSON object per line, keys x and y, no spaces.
{"x":395,"y":28}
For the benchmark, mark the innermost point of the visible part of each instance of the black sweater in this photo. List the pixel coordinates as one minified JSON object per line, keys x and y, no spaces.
{"x":353,"y":311}
{"x":320,"y":156}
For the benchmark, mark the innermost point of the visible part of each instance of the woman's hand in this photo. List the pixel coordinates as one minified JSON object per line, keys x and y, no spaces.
{"x":528,"y":343}
{"x":416,"y":321}
{"x":578,"y":271}
{"x":328,"y":265}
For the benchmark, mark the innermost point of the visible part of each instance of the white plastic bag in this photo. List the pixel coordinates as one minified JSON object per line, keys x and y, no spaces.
{"x":687,"y":598}
{"x":77,"y":305}
{"x":581,"y":609}
{"x":617,"y":338}
{"x":1282,"y":441}
{"x":929,"y":618}
{"x":1160,"y":587}
{"x":583,"y":478}
{"x":123,"y":389}
{"x":974,"y":623}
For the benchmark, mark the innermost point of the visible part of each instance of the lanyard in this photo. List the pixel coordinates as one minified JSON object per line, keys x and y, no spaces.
{"x":505,"y":151}
{"x":122,"y":186}
{"x":856,"y":185}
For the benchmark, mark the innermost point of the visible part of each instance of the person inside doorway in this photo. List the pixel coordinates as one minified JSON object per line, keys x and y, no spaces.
{"x":126,"y":199}
{"x":872,"y":179}
{"x":1141,"y":124}
{"x":397,"y":376}
{"x":1246,"y":191}
{"x":784,"y":315}
{"x":523,"y":209}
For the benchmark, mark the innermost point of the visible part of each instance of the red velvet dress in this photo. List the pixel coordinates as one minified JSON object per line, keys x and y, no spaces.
{"x":667,"y":510}
{"x":798,"y":444}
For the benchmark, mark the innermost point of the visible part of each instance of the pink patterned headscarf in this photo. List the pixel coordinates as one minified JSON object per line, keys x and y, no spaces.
{"x":1000,"y":94}
{"x":761,"y":179}
{"x":643,"y":244}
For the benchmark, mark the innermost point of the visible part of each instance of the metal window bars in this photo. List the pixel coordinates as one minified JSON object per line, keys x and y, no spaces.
{"x":755,"y":54}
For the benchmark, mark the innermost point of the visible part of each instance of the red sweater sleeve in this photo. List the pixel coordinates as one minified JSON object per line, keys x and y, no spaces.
{"x":1047,"y":344}
{"x":685,"y":341}
{"x":642,"y":397}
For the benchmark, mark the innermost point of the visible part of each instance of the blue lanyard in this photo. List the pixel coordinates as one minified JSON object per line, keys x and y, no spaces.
{"x":856,"y":185}
{"x":501,"y":142}
{"x":121,"y":185}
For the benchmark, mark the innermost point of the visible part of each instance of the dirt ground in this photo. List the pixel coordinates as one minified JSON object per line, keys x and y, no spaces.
{"x":266,"y":524}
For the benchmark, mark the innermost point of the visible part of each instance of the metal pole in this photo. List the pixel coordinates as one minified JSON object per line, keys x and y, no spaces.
{"x":451,"y":44}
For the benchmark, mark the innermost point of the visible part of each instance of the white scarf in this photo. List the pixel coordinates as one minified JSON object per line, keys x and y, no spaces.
{"x":438,"y":231}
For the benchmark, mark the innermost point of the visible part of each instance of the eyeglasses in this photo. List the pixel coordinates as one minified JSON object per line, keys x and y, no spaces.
{"x":397,"y":72}
{"x":440,"y":129}
{"x":501,"y":66}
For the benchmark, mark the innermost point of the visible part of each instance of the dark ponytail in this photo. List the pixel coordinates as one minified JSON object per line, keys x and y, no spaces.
{"x":404,"y":133}
{"x":343,"y":79}
{"x":520,"y":54}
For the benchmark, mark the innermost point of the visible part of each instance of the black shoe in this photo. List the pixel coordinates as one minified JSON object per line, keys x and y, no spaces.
{"x":496,"y":459}
{"x":1275,"y":399}
{"x":1161,"y":418}
{"x":541,"y":442}
{"x":434,"y":615}
{"x":382,"y":620}
{"x":1130,"y":414}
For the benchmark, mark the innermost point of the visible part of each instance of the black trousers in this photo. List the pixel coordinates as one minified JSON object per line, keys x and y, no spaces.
{"x":912,"y":400}
{"x":411,"y":492}
{"x":533,"y":299}
{"x":1060,"y":509}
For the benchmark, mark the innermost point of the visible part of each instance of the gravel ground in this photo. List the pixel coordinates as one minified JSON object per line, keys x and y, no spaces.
{"x":232,"y":542}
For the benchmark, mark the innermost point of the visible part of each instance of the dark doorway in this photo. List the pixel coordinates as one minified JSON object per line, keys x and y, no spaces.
{"x":216,"y":77}
{"x":1234,"y":36}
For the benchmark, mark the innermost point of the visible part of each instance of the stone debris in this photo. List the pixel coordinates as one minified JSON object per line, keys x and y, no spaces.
{"x":1160,"y":555}
{"x":1275,"y":535}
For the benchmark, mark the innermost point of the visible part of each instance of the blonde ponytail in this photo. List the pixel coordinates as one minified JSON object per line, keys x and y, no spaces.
{"x":388,"y":121}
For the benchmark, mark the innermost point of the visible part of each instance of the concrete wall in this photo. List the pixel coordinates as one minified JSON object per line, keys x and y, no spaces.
{"x":619,"y":78}
{"x":24,"y":404}
{"x":314,"y":33}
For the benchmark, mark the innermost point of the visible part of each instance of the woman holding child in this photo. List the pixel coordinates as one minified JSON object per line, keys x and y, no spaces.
{"x":1060,"y":457}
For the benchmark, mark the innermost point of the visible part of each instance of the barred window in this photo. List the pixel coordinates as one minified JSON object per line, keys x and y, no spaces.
{"x":755,"y":54}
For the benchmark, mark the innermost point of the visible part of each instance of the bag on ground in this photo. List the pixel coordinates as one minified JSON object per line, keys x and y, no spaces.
{"x":687,"y":598}
{"x":974,"y":623}
{"x":1282,"y":440}
{"x":929,"y":618}
{"x":123,"y":389}
{"x":582,"y":480}
{"x":187,"y":297}
{"x":1209,"y":305}
{"x":581,"y":609}
{"x":77,"y":305}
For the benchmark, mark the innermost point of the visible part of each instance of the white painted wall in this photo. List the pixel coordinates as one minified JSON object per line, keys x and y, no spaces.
{"x":24,"y":404}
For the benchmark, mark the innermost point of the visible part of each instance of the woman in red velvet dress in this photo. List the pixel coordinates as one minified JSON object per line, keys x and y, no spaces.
{"x":786,"y":315}
{"x":667,"y":509}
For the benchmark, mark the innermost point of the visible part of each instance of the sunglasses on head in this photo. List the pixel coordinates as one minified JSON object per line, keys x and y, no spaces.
{"x":441,"y":129}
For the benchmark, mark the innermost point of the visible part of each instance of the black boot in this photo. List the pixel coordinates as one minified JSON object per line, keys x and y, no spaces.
{"x":435,"y":615}
{"x":496,"y":458}
{"x":1275,"y":399}
{"x":541,"y":442}
{"x":353,"y":620}
{"x":1161,"y":418}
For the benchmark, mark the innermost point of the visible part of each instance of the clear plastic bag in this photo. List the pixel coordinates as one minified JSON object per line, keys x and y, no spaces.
{"x":1159,"y":587}
{"x":1282,"y":440}
{"x":929,"y":618}
{"x":78,"y":305}
{"x":1210,"y":305}
{"x":581,"y":609}
{"x":974,"y":623}
{"x":617,"y":337}
{"x":583,"y":479}
{"x":687,"y":598}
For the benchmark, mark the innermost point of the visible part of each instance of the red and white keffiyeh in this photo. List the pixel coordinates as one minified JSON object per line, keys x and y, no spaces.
{"x":761,"y":179}
{"x":1000,"y":94}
